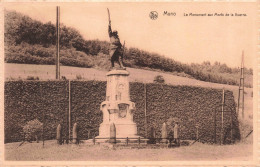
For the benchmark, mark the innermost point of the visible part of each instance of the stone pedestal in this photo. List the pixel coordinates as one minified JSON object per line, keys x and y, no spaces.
{"x":118,"y":108}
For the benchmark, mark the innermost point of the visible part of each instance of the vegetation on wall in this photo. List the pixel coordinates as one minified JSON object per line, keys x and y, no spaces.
{"x":28,"y":100}
{"x":48,"y":102}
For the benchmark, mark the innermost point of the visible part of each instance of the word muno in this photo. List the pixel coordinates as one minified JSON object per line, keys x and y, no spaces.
{"x":169,"y":13}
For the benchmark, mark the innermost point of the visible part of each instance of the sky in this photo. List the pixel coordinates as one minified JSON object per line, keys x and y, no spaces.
{"x":187,"y":39}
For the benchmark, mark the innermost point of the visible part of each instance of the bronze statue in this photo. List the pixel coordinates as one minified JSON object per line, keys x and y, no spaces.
{"x":116,"y":50}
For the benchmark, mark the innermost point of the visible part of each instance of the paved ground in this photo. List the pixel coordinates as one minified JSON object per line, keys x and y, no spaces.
{"x":54,"y":152}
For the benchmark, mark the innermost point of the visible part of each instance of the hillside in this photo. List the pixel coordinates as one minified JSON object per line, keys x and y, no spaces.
{"x":28,"y":41}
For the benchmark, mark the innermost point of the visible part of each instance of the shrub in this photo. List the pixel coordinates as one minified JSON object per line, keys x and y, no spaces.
{"x":32,"y":129}
{"x":79,"y":77}
{"x":159,"y":79}
{"x":32,"y":78}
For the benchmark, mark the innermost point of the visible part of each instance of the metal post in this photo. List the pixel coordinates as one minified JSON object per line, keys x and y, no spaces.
{"x":241,"y":83}
{"x":126,"y":140}
{"x":222,"y":116}
{"x":215,"y":126}
{"x":58,"y":44}
{"x":43,"y":119}
{"x":243,"y":87}
{"x":238,"y":101}
{"x":69,"y":111}
{"x":231,"y":126}
{"x":197,"y":132}
{"x":43,"y":128}
{"x":145,"y":109}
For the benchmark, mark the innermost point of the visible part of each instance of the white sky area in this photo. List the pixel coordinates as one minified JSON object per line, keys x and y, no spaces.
{"x":185,"y":39}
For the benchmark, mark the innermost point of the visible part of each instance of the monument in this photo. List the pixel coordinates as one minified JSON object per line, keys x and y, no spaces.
{"x":117,"y":108}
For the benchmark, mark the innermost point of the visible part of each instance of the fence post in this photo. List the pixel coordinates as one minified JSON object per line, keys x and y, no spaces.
{"x":231,"y":126}
{"x":197,"y":132}
{"x":145,"y":109}
{"x":215,"y":126}
{"x":69,"y":109}
{"x":222,"y":116}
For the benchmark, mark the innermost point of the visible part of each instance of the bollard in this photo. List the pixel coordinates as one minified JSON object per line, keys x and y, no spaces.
{"x":112,"y":138}
{"x":176,"y":134}
{"x":75,"y":134}
{"x":59,"y":135}
{"x":164,"y":133}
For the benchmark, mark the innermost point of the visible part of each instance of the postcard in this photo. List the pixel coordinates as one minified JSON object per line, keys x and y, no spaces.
{"x":129,"y":83}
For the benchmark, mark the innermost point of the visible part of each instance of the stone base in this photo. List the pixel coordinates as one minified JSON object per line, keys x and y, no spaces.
{"x":123,"y":130}
{"x":123,"y":140}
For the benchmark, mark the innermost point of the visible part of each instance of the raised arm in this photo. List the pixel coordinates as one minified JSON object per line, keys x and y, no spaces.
{"x":109,"y":29}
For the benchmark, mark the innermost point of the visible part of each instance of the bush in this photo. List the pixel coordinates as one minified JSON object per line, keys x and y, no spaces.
{"x":32,"y":78}
{"x":32,"y":130}
{"x":159,"y":79}
{"x":79,"y":77}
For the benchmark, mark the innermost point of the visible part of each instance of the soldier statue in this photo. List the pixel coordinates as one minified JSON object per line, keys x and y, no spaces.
{"x":116,"y":50}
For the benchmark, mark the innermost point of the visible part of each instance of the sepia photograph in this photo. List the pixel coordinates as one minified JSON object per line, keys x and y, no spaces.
{"x":121,"y":83}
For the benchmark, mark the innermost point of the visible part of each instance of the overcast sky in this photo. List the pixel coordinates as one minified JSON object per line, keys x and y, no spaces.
{"x":188,"y":39}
